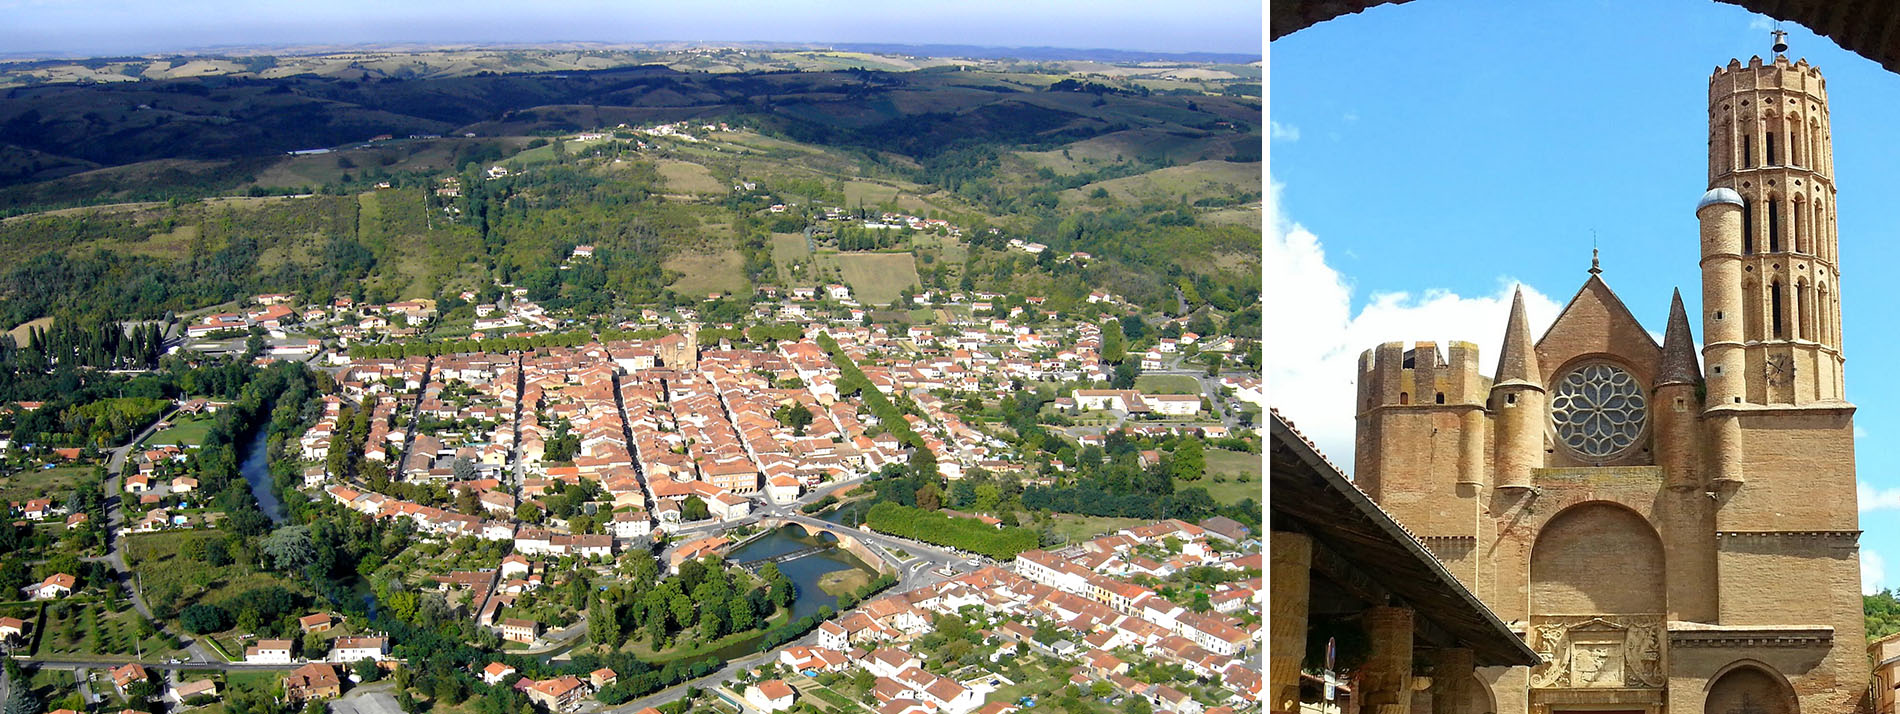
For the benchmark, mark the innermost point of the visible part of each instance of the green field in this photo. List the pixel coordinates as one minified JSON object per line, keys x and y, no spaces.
{"x":865,"y":193}
{"x":789,"y":251}
{"x":20,"y":333}
{"x":168,"y":572}
{"x":875,"y":278}
{"x":1167,"y":384}
{"x":702,"y":273}
{"x":1233,"y":465}
{"x":34,"y":483}
{"x":689,"y":178}
{"x":185,"y":432}
{"x":844,"y":581}
{"x":1177,"y":183}
{"x":89,"y":629}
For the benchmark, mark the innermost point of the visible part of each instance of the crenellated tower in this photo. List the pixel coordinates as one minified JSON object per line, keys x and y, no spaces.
{"x":1770,"y":258}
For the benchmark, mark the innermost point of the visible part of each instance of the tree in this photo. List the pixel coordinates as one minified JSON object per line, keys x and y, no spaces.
{"x":1189,"y":462}
{"x":603,"y":624}
{"x":694,"y":509}
{"x":929,"y":497}
{"x":1125,"y":374}
{"x":739,"y":614}
{"x":289,"y":548}
{"x":202,"y":618}
{"x":1133,"y":329}
{"x":20,"y":698}
{"x":464,"y":468}
{"x":1114,"y":347}
{"x":367,"y":670}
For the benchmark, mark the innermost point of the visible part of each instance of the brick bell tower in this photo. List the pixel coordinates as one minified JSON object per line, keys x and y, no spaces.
{"x":1770,"y":254}
{"x":1780,"y":432}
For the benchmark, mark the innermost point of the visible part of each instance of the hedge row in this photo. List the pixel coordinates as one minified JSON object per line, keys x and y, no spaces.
{"x":967,"y":534}
{"x":854,"y":380}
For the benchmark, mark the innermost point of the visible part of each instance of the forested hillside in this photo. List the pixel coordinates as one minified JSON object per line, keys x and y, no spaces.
{"x":1160,"y":192}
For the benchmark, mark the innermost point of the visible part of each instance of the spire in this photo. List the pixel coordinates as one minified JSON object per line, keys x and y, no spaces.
{"x":1517,"y":360}
{"x":1678,"y":357}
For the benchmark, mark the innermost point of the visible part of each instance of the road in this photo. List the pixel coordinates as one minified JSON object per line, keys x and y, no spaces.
{"x":725,"y":674}
{"x":115,"y":554}
{"x":162,"y":666}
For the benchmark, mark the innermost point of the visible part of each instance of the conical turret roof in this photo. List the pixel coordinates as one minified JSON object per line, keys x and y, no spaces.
{"x":1678,"y":357}
{"x":1517,"y":360}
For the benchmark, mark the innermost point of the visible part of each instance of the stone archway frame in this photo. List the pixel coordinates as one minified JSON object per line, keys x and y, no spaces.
{"x":1786,"y":688}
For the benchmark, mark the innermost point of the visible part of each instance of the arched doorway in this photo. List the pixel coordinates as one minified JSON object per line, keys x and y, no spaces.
{"x":1750,"y":688}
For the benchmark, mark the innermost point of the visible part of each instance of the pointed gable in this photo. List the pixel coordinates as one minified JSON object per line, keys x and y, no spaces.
{"x":1596,"y":324}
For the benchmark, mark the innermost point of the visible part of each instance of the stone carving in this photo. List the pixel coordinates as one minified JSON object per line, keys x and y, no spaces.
{"x":1552,"y":646}
{"x":1597,"y":663}
{"x":1644,"y":648}
{"x":1590,"y":652}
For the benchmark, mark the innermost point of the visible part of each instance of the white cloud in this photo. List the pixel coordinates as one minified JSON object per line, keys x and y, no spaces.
{"x":1314,"y":339}
{"x":1876,"y":499}
{"x":1284,"y":132}
{"x":1860,"y":432}
{"x":1761,"y":22}
{"x":1350,"y":116}
{"x":1873,"y":572}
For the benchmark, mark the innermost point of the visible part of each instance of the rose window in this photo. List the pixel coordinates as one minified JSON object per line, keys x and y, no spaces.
{"x":1598,"y":410}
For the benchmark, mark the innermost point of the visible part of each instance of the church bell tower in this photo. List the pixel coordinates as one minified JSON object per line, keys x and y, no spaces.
{"x":1770,"y":259}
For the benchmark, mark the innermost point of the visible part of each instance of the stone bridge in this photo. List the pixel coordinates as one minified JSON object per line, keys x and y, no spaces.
{"x":847,"y":539}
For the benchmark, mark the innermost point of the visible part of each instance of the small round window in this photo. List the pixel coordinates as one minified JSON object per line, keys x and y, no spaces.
{"x":1598,"y":410}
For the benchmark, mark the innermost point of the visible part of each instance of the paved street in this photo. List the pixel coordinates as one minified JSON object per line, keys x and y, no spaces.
{"x":115,"y":554}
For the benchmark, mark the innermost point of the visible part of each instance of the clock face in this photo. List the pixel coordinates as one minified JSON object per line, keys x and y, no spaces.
{"x":1778,"y":369}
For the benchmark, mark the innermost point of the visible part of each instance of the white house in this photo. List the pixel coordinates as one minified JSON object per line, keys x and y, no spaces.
{"x":782,"y":489}
{"x":495,"y":672}
{"x":57,"y":585}
{"x":1173,"y":404}
{"x":772,"y":695}
{"x":353,"y":649}
{"x":268,"y":652}
{"x":632,"y":524}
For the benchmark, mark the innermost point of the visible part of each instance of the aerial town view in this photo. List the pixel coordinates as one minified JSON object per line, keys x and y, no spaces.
{"x":377,"y":371}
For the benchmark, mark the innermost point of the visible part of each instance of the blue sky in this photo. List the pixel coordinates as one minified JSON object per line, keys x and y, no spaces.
{"x":123,"y":26}
{"x":1427,"y":156}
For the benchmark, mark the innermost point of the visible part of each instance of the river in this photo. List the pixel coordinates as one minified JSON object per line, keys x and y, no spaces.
{"x":803,"y":572}
{"x":256,"y":470}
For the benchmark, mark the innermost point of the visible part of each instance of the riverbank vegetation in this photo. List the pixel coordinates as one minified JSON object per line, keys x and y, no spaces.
{"x":968,"y":534}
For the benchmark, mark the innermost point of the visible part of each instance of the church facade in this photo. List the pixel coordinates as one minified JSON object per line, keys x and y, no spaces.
{"x":1672,"y":527}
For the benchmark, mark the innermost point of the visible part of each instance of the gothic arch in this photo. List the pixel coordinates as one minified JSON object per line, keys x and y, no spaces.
{"x":1751,"y":310}
{"x":1597,"y":558}
{"x":1479,"y":698}
{"x":1749,"y":686}
{"x":1798,"y":219}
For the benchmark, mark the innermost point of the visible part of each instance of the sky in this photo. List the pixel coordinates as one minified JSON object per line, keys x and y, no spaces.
{"x":103,"y":27}
{"x":1426,"y":158}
